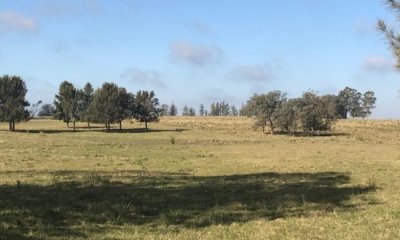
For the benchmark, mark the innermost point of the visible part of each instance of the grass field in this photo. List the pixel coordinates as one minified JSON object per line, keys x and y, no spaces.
{"x":199,"y":178}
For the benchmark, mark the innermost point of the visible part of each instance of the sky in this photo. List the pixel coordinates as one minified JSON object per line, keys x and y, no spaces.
{"x":201,"y":51}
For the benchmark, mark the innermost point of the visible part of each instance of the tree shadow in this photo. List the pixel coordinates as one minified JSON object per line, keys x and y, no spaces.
{"x":80,"y":130}
{"x":77,"y":203}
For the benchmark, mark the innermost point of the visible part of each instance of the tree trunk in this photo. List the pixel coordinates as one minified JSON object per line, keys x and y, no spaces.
{"x":67,"y":124}
{"x":10,"y":126}
{"x":145,"y":124}
{"x":74,"y":125}
{"x":271,"y":126}
{"x":120,"y":125}
{"x":88,"y":124}
{"x":13,"y":126}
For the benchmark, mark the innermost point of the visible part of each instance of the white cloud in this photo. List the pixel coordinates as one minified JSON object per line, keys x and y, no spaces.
{"x":199,"y":55}
{"x":139,"y":76}
{"x":12,"y":21}
{"x":378,"y":64}
{"x":251,"y":73}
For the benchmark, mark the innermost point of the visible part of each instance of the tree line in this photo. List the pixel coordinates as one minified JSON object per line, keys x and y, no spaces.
{"x":216,"y":109}
{"x":309,"y":113}
{"x":111,"y":104}
{"x":106,"y":105}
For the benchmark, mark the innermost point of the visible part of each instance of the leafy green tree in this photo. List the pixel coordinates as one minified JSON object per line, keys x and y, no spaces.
{"x":173,"y":110}
{"x":146,"y":107}
{"x":368,"y":103}
{"x":12,"y":101}
{"x":263,"y":108}
{"x":287,"y":116}
{"x":314,"y":113}
{"x":46,"y":110}
{"x":125,"y":100}
{"x":349,"y":102}
{"x":86,"y":98}
{"x":66,"y":103}
{"x":105,"y":105}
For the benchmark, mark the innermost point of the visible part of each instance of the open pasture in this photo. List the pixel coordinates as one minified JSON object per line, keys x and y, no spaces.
{"x":199,"y":178}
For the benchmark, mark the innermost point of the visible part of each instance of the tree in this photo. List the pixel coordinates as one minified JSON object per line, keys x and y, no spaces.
{"x":287,"y":116}
{"x":192,"y":112}
{"x":263,"y":108}
{"x":314,"y":113}
{"x":12,"y":100}
{"x":234,"y":111}
{"x":173,"y":110}
{"x":219,"y":109}
{"x":104,"y":107}
{"x":124,"y":101}
{"x":215,"y":109}
{"x":84,"y":104}
{"x":392,"y":37}
{"x":164,"y":110}
{"x":146,"y":107}
{"x":349,"y":102}
{"x":201,"y":110}
{"x":368,"y":103}
{"x":47,"y":110}
{"x":185,"y":111}
{"x":66,"y":103}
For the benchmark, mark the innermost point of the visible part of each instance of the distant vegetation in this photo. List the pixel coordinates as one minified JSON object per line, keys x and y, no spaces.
{"x":112,"y":104}
{"x":310,"y":113}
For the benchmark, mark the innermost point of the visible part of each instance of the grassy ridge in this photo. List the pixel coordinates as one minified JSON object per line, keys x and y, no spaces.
{"x":190,"y":178}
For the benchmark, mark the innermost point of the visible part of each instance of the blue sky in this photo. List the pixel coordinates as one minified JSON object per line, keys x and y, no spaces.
{"x":200,"y":51}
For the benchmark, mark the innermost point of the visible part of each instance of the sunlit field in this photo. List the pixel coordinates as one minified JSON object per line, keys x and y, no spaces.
{"x":199,"y":178}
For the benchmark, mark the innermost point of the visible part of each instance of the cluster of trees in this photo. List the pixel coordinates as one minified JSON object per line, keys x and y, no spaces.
{"x":106,"y":105}
{"x":12,"y":101}
{"x":309,"y":113}
{"x":168,"y":110}
{"x":188,"y":111}
{"x":354,"y":103}
{"x":112,"y":104}
{"x":216,"y":109}
{"x":223,"y":109}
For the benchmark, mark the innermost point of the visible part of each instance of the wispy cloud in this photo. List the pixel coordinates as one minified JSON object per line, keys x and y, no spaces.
{"x":67,"y":8}
{"x":143,"y":77}
{"x":378,"y":64}
{"x":200,"y":27}
{"x":199,"y":55}
{"x":13,"y":21}
{"x":251,"y":73}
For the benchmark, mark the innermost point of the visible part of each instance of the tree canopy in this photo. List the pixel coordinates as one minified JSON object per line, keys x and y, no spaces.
{"x":12,"y":100}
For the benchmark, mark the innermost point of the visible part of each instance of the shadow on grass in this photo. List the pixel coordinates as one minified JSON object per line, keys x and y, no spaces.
{"x":80,"y":130}
{"x":76,"y":204}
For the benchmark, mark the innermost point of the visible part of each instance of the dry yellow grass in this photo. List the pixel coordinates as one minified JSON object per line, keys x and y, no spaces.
{"x":217,"y":179}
